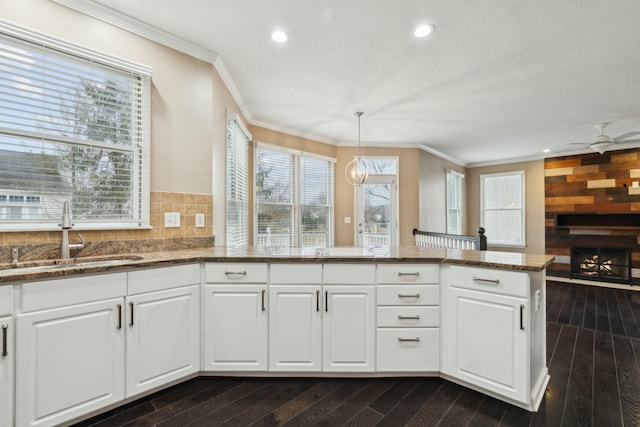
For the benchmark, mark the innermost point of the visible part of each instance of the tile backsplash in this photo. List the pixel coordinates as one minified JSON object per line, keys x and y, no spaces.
{"x":187,"y":204}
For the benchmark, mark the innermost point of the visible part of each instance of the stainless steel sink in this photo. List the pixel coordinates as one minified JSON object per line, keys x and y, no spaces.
{"x":34,"y":266}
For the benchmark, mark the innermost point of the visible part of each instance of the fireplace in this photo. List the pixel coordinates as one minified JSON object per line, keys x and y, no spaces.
{"x":602,"y":264}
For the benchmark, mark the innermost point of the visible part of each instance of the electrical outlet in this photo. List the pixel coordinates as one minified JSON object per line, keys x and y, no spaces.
{"x":199,"y":220}
{"x":172,"y":219}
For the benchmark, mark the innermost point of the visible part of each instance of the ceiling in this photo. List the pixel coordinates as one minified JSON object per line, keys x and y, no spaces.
{"x":498,"y":81}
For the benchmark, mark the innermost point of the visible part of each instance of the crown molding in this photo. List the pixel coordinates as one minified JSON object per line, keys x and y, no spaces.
{"x":443,"y":156}
{"x":228,"y":81}
{"x":135,"y":26}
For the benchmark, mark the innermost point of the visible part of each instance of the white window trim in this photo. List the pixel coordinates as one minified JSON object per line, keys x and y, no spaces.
{"x":296,"y":206}
{"x":235,"y":117}
{"x":522,"y":208}
{"x":462,"y":198}
{"x":396,"y":182}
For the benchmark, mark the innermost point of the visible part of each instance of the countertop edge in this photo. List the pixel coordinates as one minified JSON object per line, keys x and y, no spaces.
{"x":169,"y":258}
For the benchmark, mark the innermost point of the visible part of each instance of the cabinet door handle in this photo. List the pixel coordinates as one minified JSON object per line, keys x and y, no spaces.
{"x":5,"y":351}
{"x":131,"y":307}
{"x":416,"y":317}
{"x":235,"y":273}
{"x":264,"y":307}
{"x":408,"y":295}
{"x":416,"y":339}
{"x":318,"y":300}
{"x":401,"y":274}
{"x":522,"y":317}
{"x":119,"y":316}
{"x":326,"y":300}
{"x":492,"y":281}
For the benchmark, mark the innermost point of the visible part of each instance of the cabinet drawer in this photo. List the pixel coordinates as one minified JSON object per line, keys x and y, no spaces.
{"x":405,"y":317}
{"x":296,"y":274}
{"x":6,"y":300}
{"x":408,"y":295}
{"x":71,"y":291}
{"x":408,"y":273}
{"x":496,"y":281}
{"x":408,"y":350}
{"x":159,"y":279}
{"x":349,"y":274}
{"x":235,"y":273}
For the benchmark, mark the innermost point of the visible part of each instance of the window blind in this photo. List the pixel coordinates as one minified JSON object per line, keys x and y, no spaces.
{"x":73,"y":127}
{"x":294,"y":198}
{"x":455,"y":195}
{"x":316,"y":202}
{"x":237,"y":195}
{"x":503,"y":208}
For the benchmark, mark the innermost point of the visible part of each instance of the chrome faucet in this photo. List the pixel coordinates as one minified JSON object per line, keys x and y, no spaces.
{"x":66,"y":226}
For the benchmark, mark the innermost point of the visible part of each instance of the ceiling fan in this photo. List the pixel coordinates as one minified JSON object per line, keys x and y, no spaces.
{"x":603,"y":142}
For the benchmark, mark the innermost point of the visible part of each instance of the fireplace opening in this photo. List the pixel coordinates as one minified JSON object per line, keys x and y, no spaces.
{"x":603,"y":264}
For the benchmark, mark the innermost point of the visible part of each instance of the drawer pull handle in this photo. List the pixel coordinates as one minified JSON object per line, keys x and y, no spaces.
{"x":235,"y":273}
{"x":119,"y":316}
{"x":318,"y":300}
{"x":264,"y":307}
{"x":326,"y":301}
{"x":131,"y":307}
{"x":416,"y":339}
{"x":522,"y":317}
{"x":5,"y":352}
{"x":408,"y":295}
{"x":401,"y":274}
{"x":492,"y":281}
{"x":409,"y":317}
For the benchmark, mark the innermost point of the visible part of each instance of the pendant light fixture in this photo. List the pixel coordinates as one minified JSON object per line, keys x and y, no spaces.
{"x":356,"y":170}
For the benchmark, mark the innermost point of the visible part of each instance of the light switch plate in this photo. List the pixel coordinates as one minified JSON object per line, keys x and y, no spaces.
{"x":172,"y":219}
{"x":199,"y":220}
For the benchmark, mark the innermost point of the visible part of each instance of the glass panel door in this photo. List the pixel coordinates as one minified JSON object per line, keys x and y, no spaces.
{"x":376,"y":225}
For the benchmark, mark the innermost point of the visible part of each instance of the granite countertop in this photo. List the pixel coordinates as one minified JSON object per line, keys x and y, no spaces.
{"x":46,"y":269}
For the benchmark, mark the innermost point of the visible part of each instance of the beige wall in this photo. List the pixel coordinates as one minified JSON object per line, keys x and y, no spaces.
{"x":432,"y":209}
{"x":182,"y":121}
{"x":534,"y":202}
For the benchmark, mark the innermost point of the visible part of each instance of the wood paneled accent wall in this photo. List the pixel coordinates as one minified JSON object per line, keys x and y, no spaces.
{"x":591,"y":183}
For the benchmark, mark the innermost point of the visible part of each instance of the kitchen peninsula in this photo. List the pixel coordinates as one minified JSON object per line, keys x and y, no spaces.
{"x":90,"y":335}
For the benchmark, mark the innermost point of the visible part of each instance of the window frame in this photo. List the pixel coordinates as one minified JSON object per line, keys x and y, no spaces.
{"x":296,"y":238}
{"x":459,"y":178}
{"x":490,"y":233}
{"x":23,"y":38}
{"x":233,"y":119}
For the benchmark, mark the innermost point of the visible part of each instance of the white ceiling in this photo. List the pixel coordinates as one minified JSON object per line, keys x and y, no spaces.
{"x":498,"y":81}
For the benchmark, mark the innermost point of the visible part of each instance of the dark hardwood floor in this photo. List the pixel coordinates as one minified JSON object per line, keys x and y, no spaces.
{"x":593,"y":353}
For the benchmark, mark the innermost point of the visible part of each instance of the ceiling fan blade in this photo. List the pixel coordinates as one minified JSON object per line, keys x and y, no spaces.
{"x":626,"y":141}
{"x":625,"y":136}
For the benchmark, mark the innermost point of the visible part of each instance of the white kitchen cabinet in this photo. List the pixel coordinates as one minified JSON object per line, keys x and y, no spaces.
{"x":7,"y":359}
{"x":235,"y":327}
{"x":408,"y":318}
{"x":295,"y":328}
{"x":493,"y":334}
{"x":163,"y":337}
{"x":295,"y":318}
{"x":236,"y":321}
{"x":349,"y":318}
{"x":163,"y":326}
{"x":349,"y":328}
{"x":70,"y":361}
{"x":7,"y":355}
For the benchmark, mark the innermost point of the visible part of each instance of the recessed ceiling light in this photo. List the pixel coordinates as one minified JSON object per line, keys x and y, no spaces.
{"x":279,"y":36}
{"x":546,"y":150}
{"x":423,"y":30}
